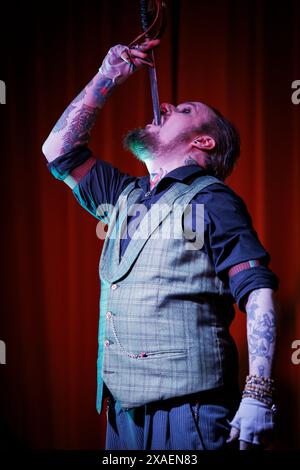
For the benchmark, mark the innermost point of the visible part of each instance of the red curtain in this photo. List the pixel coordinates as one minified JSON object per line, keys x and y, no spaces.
{"x":240,"y":57}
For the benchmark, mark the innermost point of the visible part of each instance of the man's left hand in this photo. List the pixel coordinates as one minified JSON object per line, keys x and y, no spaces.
{"x":253,"y":425}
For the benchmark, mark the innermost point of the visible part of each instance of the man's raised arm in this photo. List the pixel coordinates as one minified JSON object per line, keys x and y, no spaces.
{"x":74,"y":126}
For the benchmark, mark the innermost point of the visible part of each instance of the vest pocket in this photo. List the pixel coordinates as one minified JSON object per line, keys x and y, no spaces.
{"x":166,"y":354}
{"x":170,"y":353}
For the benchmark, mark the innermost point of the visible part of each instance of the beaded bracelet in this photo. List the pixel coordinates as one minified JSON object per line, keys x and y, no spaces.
{"x":259,"y":394}
{"x":259,"y":398}
{"x":260,"y":388}
{"x":260,"y":380}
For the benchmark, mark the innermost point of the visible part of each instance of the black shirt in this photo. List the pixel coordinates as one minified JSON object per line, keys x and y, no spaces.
{"x":229,"y":236}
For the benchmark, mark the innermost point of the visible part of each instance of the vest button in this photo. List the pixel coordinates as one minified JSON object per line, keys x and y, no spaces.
{"x":108,"y":314}
{"x":114,"y":286}
{"x":106,"y":343}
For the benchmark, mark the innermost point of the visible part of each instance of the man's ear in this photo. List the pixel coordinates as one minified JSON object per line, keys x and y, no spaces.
{"x":204,"y":142}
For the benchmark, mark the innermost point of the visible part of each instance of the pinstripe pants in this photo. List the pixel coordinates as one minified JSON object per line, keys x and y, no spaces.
{"x":193,"y":422}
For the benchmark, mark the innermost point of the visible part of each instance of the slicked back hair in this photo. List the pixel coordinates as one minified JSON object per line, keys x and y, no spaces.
{"x":221,"y":160}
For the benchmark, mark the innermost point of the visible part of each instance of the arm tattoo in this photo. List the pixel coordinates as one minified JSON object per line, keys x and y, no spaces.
{"x":102,"y":89}
{"x":80,"y":127}
{"x":261,"y":332}
{"x":79,"y":97}
{"x":74,"y":126}
{"x":190,"y":161}
{"x":262,"y":335}
{"x":63,"y":120}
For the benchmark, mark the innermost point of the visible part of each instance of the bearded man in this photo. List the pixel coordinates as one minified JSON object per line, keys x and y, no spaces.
{"x":167,"y":364}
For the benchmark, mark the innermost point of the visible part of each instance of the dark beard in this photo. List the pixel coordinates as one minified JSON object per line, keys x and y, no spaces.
{"x":141,"y":143}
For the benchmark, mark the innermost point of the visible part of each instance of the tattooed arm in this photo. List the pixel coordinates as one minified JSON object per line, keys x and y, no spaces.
{"x":261,"y":331}
{"x":253,"y":423}
{"x":74,"y":127}
{"x":75,"y":124}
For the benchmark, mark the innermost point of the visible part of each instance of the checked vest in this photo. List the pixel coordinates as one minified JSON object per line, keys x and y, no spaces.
{"x":164,"y":314}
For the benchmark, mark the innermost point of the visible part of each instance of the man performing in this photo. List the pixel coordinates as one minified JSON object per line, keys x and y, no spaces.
{"x":167,"y":364}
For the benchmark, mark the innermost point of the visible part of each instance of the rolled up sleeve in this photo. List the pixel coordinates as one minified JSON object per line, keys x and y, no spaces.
{"x":100,"y":185}
{"x":63,"y":165}
{"x":241,"y":284}
{"x":230,"y":239}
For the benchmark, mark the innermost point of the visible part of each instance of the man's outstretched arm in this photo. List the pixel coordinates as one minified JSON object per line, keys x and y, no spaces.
{"x":74,"y":127}
{"x":254,"y":420}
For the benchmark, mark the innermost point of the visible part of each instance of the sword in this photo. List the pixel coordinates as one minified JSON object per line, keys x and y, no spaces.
{"x":153,"y":21}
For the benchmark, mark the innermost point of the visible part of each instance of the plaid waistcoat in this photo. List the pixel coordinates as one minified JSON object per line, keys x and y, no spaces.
{"x":164,"y":314}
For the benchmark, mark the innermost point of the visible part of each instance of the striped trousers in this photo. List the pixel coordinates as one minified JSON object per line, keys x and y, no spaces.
{"x":193,"y":422}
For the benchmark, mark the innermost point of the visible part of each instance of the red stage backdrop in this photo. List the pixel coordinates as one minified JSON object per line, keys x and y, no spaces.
{"x":240,"y":57}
